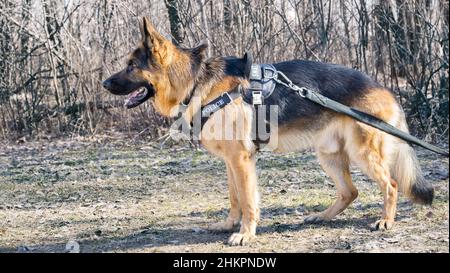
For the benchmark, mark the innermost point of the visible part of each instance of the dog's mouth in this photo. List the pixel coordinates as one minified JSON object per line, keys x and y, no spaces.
{"x":139,"y":96}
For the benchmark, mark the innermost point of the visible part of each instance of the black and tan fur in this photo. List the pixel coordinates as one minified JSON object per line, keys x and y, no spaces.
{"x":171,"y":72}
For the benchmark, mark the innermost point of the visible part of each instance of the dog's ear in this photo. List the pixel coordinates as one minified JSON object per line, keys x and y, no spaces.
{"x":151,"y":38}
{"x":247,"y":61}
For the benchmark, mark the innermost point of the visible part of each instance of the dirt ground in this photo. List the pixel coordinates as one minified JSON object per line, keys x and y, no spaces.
{"x":124,"y":195}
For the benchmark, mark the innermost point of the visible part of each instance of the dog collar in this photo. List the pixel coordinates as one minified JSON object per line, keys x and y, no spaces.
{"x":188,"y":99}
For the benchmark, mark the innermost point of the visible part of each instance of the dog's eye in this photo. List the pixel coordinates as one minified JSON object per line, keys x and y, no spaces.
{"x":131,"y":67}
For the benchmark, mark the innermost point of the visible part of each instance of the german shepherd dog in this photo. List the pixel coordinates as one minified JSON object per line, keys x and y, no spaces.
{"x":167,"y":74}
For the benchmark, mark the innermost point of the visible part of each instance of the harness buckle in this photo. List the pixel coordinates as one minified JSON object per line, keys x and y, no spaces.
{"x":269,"y":73}
{"x":227,"y":97}
{"x":257,"y":98}
{"x":256,"y":73}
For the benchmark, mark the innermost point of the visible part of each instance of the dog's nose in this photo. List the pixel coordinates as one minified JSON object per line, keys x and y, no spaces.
{"x":106,"y":84}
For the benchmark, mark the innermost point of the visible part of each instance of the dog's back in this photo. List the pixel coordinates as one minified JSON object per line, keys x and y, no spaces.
{"x":336,"y":82}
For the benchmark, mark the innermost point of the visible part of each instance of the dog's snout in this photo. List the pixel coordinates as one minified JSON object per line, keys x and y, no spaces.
{"x":107,"y":84}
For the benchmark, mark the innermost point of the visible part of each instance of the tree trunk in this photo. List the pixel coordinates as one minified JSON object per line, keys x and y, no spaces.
{"x":175,"y":22}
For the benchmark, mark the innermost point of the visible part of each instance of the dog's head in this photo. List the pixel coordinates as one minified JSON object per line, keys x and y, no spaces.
{"x":156,"y":68}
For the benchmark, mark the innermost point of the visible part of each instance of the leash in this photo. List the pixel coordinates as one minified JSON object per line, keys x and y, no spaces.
{"x":356,"y":114}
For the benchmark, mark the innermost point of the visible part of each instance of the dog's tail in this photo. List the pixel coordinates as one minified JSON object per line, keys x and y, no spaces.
{"x":405,"y":169}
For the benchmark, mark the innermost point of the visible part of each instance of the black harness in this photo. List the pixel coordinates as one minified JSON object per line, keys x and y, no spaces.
{"x":263,"y":80}
{"x":262,"y":83}
{"x":215,"y":105}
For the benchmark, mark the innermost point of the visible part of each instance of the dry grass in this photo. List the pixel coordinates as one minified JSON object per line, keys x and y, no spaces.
{"x":129,"y":196}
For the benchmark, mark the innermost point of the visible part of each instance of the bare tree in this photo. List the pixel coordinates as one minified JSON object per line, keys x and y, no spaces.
{"x":54,"y":54}
{"x":175,"y":22}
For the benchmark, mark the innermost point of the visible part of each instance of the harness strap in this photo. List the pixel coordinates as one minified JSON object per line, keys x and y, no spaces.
{"x":209,"y":109}
{"x":218,"y":103}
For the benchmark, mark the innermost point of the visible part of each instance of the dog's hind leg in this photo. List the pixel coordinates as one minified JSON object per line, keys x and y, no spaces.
{"x":234,"y":216}
{"x":336,"y":165}
{"x":372,"y":163}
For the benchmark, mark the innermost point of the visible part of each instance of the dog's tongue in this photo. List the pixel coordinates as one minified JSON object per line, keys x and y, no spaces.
{"x":137,"y":98}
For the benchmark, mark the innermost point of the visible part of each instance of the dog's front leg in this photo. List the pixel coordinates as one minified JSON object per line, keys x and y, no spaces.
{"x":243,"y":167}
{"x":234,"y":216}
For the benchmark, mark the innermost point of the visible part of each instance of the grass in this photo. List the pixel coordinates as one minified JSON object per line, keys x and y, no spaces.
{"x":121,"y":196}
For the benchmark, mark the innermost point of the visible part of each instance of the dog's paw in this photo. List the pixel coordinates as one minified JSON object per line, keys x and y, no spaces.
{"x":383,"y":224}
{"x":225,"y":226}
{"x":315,"y":219}
{"x":241,"y":239}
